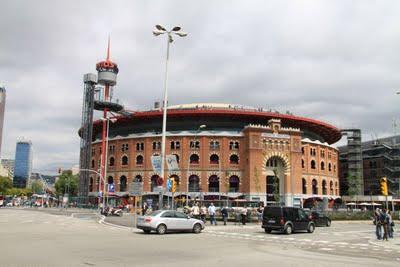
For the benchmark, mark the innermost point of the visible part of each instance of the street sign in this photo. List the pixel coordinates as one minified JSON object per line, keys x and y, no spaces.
{"x":156,"y":163}
{"x":136,"y":188}
{"x":169,"y":184}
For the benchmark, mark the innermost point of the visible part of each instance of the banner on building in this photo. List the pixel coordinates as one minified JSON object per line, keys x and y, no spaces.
{"x":156,"y":163}
{"x":172,"y":163}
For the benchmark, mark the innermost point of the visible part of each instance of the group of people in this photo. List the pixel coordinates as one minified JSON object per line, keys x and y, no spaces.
{"x":384,"y":224}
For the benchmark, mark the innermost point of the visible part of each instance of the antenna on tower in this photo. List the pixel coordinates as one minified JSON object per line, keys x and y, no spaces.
{"x":108,"y":49}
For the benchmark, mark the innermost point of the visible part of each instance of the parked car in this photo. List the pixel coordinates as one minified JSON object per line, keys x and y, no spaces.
{"x":163,"y":221}
{"x":320,"y":219}
{"x":286,"y":220}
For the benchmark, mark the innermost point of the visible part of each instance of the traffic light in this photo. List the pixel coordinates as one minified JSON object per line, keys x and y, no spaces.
{"x":173,"y":187}
{"x":383,"y":186}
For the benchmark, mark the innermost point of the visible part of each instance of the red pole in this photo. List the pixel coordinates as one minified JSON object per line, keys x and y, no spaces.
{"x":103,"y":141}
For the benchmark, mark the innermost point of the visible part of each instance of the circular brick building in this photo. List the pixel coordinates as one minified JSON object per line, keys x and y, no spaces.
{"x":223,"y":151}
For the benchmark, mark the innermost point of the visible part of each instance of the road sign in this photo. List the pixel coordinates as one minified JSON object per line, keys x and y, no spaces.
{"x":169,"y":184}
{"x":136,"y":188}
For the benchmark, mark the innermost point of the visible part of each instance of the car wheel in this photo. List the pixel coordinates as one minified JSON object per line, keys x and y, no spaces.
{"x":146,"y":231}
{"x":197,"y":228}
{"x":161,"y":229}
{"x":288,"y":229}
{"x":328,"y":223}
{"x":311,"y":228}
{"x":268,"y":231}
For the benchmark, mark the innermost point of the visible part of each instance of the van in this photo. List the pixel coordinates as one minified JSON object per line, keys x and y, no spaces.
{"x":286,"y":220}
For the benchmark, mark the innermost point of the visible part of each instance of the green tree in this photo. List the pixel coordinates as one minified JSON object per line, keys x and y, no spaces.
{"x":67,"y":183}
{"x":19,"y":192}
{"x":5,"y":184}
{"x":37,"y":187}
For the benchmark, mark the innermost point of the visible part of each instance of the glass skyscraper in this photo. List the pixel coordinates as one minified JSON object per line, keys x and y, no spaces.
{"x":23,"y":163}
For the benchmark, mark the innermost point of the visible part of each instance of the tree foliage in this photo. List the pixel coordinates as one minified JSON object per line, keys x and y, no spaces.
{"x":5,"y":184}
{"x":67,"y":183}
{"x":19,"y":192}
{"x":37,"y":187}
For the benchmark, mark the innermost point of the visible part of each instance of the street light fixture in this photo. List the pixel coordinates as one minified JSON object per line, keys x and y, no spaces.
{"x":158,"y":31}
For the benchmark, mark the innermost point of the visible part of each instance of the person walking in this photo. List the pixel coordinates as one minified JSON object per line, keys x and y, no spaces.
{"x":243,"y":214}
{"x":384,"y":219}
{"x":378,"y":225}
{"x":224,"y":213}
{"x":196,"y":211}
{"x":390,"y":224}
{"x":260,"y":211}
{"x":211,"y":212}
{"x":203,"y":213}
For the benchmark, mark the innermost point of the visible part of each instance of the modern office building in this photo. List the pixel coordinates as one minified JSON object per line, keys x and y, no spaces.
{"x":380,"y":158}
{"x":2,"y":109}
{"x":23,"y":163}
{"x":239,"y":152}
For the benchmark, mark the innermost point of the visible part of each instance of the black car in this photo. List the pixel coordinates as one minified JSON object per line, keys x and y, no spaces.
{"x":286,"y":220}
{"x":320,"y":219}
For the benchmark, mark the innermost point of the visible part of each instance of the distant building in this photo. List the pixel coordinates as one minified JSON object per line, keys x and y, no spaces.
{"x":380,"y":157}
{"x":2,"y":108}
{"x":23,"y":163}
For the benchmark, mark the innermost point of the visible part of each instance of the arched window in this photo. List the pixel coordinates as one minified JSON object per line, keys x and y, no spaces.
{"x":302,"y":163}
{"x":331,"y":187}
{"x":153,"y":180}
{"x":112,"y":161}
{"x":314,"y":187}
{"x":234,"y":159}
{"x":302,"y":150}
{"x":194,"y":159}
{"x":329,"y":167}
{"x":336,"y":189}
{"x":324,"y":191}
{"x":139,"y":160}
{"x":110,"y":180}
{"x":124,"y":160}
{"x":91,"y":184}
{"x":92,"y":163}
{"x":304,"y":185}
{"x":322,"y":165}
{"x":313,"y":164}
{"x":234,"y":183}
{"x":122,"y":183}
{"x":194,"y":183}
{"x":213,"y":183}
{"x":138,"y":178}
{"x":214,"y":159}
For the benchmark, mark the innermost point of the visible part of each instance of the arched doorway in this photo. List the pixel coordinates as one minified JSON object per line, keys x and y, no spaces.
{"x":314,"y":187}
{"x":234,"y":183}
{"x":275,"y":170}
{"x":122,"y":183}
{"x":213,"y":183}
{"x":138,"y":178}
{"x":153,"y":181}
{"x":194,"y":183}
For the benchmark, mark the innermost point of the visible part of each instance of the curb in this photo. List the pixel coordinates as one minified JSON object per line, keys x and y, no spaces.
{"x":103,"y":222}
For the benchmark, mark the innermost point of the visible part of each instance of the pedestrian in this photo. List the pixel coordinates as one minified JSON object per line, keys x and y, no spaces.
{"x":243,"y":214}
{"x":384,"y":219}
{"x":260,"y":211}
{"x":390,"y":224}
{"x":378,"y":225}
{"x":144,"y":209}
{"x":196,"y":211}
{"x":211,"y":212}
{"x":203,"y":213}
{"x":224,"y":213}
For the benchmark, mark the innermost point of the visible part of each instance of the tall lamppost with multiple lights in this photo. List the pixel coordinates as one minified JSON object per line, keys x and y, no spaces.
{"x":158,"y":31}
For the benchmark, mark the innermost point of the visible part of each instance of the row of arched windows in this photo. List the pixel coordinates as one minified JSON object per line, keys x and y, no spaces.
{"x":194,"y":159}
{"x":314,"y":165}
{"x":193,"y":186}
{"x":324,"y":187}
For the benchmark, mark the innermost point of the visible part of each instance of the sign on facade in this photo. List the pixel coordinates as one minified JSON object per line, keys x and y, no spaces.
{"x":172,"y":163}
{"x":136,"y":188}
{"x":156,"y":163}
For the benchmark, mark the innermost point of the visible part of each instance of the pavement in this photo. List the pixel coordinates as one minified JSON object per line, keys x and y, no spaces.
{"x":51,"y":237}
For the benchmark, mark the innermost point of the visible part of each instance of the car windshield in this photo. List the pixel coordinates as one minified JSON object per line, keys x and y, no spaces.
{"x":155,"y":213}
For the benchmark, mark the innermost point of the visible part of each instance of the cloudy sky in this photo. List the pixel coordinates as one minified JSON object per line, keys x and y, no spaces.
{"x":337,"y":61}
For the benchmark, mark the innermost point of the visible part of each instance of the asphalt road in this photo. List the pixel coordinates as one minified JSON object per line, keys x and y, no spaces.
{"x":69,"y":238}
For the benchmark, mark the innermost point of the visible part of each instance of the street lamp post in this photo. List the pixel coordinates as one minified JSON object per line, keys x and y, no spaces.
{"x":194,"y":140}
{"x":158,"y":31}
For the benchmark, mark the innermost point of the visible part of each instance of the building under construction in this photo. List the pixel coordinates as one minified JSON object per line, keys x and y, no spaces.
{"x":380,"y":158}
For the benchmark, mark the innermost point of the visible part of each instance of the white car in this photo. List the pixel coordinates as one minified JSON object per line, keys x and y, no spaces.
{"x":163,"y":221}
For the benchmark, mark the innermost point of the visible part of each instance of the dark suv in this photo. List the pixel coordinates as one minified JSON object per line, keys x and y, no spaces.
{"x":287,"y":220}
